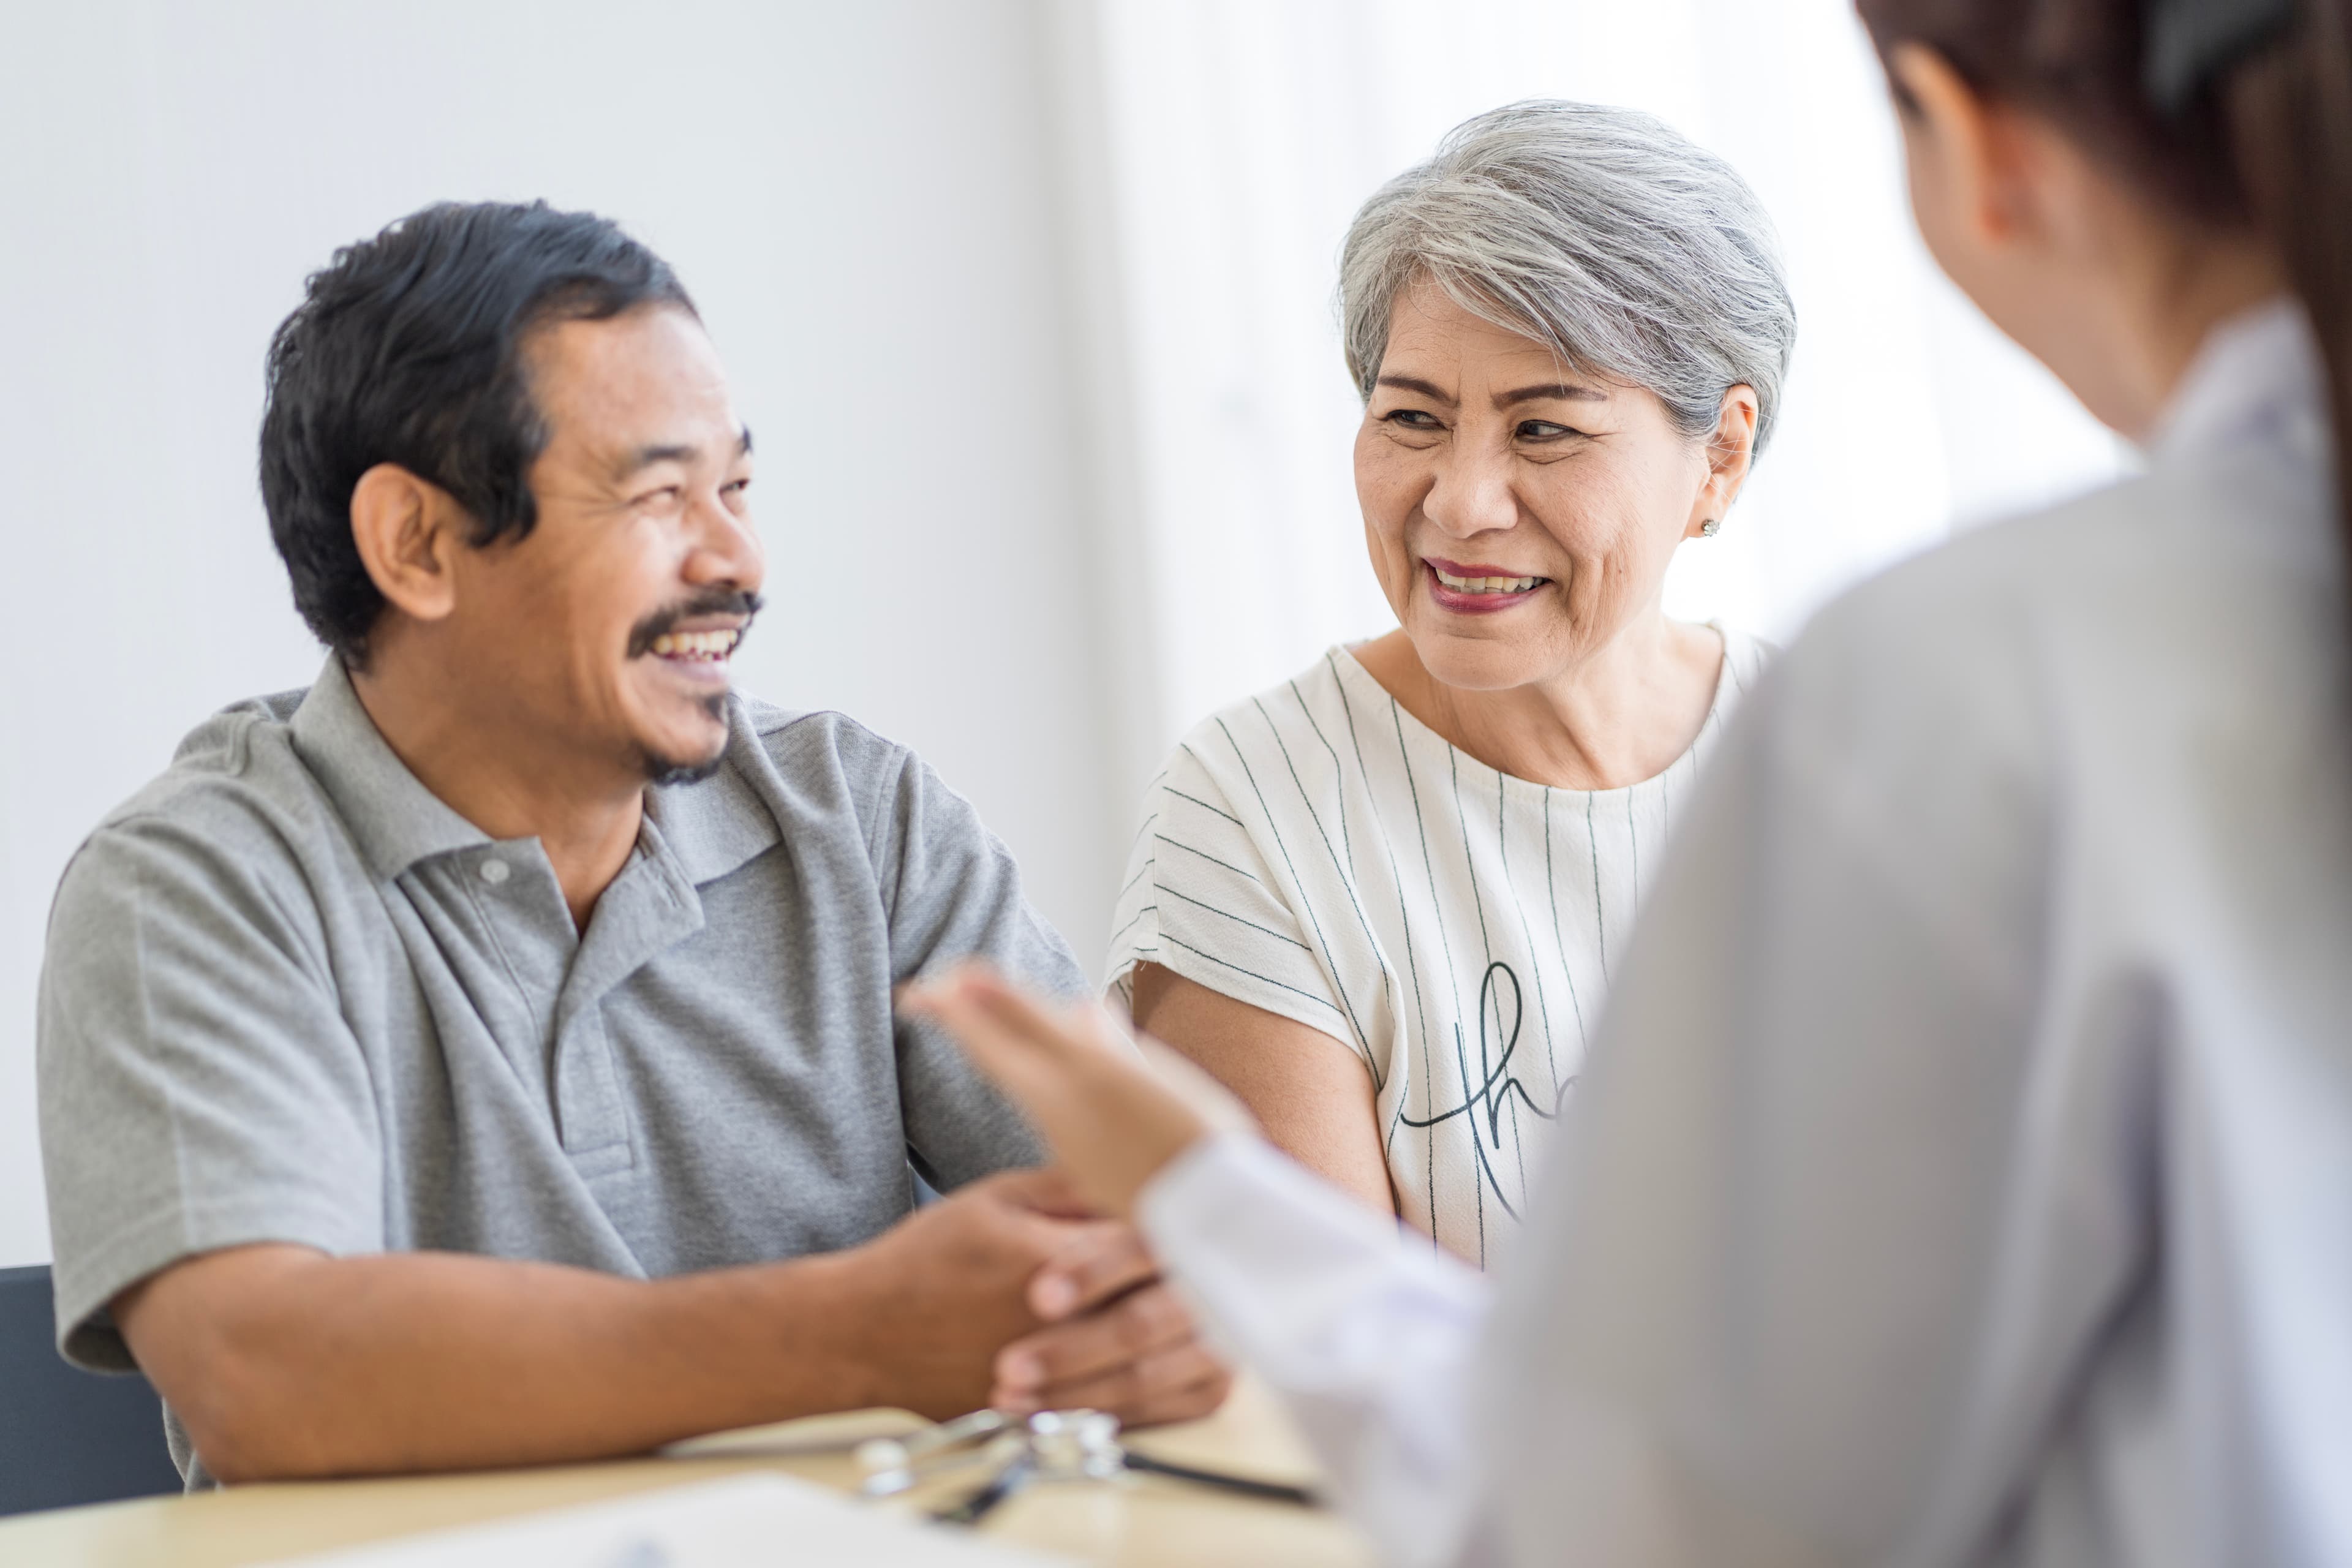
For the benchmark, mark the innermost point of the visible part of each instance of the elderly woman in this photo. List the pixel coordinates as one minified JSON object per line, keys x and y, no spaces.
{"x":1381,"y":901}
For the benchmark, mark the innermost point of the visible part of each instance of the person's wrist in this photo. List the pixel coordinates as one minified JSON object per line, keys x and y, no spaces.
{"x":1164,"y":1191}
{"x":796,"y":1335}
{"x":1160,"y":1150}
{"x":850,"y":1296}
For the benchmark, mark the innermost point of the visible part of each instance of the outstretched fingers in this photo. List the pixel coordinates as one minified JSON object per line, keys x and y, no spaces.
{"x":1040,"y":1060}
{"x":1023,"y":1023}
{"x":1004,"y":1034}
{"x":1108,"y":1120}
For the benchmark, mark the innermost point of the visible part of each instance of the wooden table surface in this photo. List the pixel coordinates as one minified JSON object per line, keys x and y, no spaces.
{"x":1138,"y":1521}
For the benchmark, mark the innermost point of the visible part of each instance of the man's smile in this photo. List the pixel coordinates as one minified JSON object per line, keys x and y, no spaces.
{"x":697,"y":660}
{"x":696,"y":639}
{"x":691,"y":648}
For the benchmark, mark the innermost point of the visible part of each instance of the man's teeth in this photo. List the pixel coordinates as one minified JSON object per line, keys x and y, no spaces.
{"x":696,"y":645}
{"x":1486,"y":584}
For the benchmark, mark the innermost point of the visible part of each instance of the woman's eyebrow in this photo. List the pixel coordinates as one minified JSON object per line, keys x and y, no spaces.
{"x":1536,"y":394}
{"x":1415,"y":383}
{"x":1551,"y":389}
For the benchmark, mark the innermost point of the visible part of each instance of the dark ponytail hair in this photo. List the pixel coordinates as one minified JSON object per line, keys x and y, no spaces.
{"x":2289,"y":112}
{"x":2259,"y":137}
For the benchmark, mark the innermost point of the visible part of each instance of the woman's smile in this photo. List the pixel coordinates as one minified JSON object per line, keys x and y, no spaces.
{"x":1478,"y":590}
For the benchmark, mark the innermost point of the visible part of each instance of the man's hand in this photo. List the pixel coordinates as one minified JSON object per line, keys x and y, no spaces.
{"x":1116,"y":1339}
{"x":942,"y":1291}
{"x":1002,"y":1293}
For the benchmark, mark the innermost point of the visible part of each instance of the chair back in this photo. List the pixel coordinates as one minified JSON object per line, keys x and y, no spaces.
{"x":67,"y":1436}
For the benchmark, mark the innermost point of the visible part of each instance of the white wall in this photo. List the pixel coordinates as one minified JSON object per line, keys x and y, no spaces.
{"x":859,"y":194}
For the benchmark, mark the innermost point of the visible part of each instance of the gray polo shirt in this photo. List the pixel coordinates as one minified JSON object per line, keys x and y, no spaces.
{"x":291,"y":996}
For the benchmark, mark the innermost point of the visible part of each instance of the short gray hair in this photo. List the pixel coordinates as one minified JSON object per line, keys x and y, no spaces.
{"x":1602,"y":232}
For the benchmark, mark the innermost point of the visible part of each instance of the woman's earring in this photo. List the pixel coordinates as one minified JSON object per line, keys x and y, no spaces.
{"x":1710,"y":528}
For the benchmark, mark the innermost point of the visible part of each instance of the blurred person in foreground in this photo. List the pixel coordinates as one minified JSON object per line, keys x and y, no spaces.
{"x":1383,"y":900}
{"x":485,"y":1057}
{"x":1964,"y":1175}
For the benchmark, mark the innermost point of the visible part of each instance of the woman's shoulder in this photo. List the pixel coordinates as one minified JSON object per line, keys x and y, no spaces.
{"x":1744,"y":649}
{"x":1310,"y":725}
{"x":1744,"y":655}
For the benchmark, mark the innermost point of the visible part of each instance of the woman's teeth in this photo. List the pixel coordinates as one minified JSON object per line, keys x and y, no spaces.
{"x":696,"y":645}
{"x":1486,"y":584}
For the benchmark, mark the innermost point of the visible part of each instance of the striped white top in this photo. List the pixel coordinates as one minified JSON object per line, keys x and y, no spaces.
{"x":1318,"y":852}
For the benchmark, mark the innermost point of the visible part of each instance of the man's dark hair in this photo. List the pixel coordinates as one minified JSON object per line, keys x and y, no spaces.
{"x":408,"y":348}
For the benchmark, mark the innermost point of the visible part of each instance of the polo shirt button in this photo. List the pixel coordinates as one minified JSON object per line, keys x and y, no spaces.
{"x":495,"y":871}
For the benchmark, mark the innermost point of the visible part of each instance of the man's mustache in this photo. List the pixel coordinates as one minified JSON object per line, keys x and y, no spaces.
{"x":715,"y":602}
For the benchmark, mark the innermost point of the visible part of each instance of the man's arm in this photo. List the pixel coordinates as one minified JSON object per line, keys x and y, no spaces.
{"x":951,"y":891}
{"x":285,"y":1362}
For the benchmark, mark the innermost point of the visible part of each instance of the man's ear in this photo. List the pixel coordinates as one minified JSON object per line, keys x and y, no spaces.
{"x":1731,"y":451}
{"x":1969,"y":152}
{"x":408,"y":531}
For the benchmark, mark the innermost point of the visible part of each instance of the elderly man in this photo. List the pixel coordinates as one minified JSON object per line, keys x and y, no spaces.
{"x":486,"y":1056}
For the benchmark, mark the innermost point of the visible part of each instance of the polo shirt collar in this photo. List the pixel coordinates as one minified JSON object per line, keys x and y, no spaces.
{"x":393,"y":817}
{"x":712,"y":827}
{"x":719,"y":825}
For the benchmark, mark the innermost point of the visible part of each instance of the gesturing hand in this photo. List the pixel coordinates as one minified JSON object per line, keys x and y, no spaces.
{"x":1112,"y":1124}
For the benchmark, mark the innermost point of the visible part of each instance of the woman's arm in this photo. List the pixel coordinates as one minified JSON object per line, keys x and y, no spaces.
{"x":1310,"y":1093}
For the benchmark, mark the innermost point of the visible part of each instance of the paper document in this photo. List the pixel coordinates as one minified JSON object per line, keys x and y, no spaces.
{"x":773,"y":1520}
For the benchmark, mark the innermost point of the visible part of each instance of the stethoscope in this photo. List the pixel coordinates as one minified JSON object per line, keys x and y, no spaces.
{"x":1050,"y":1446}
